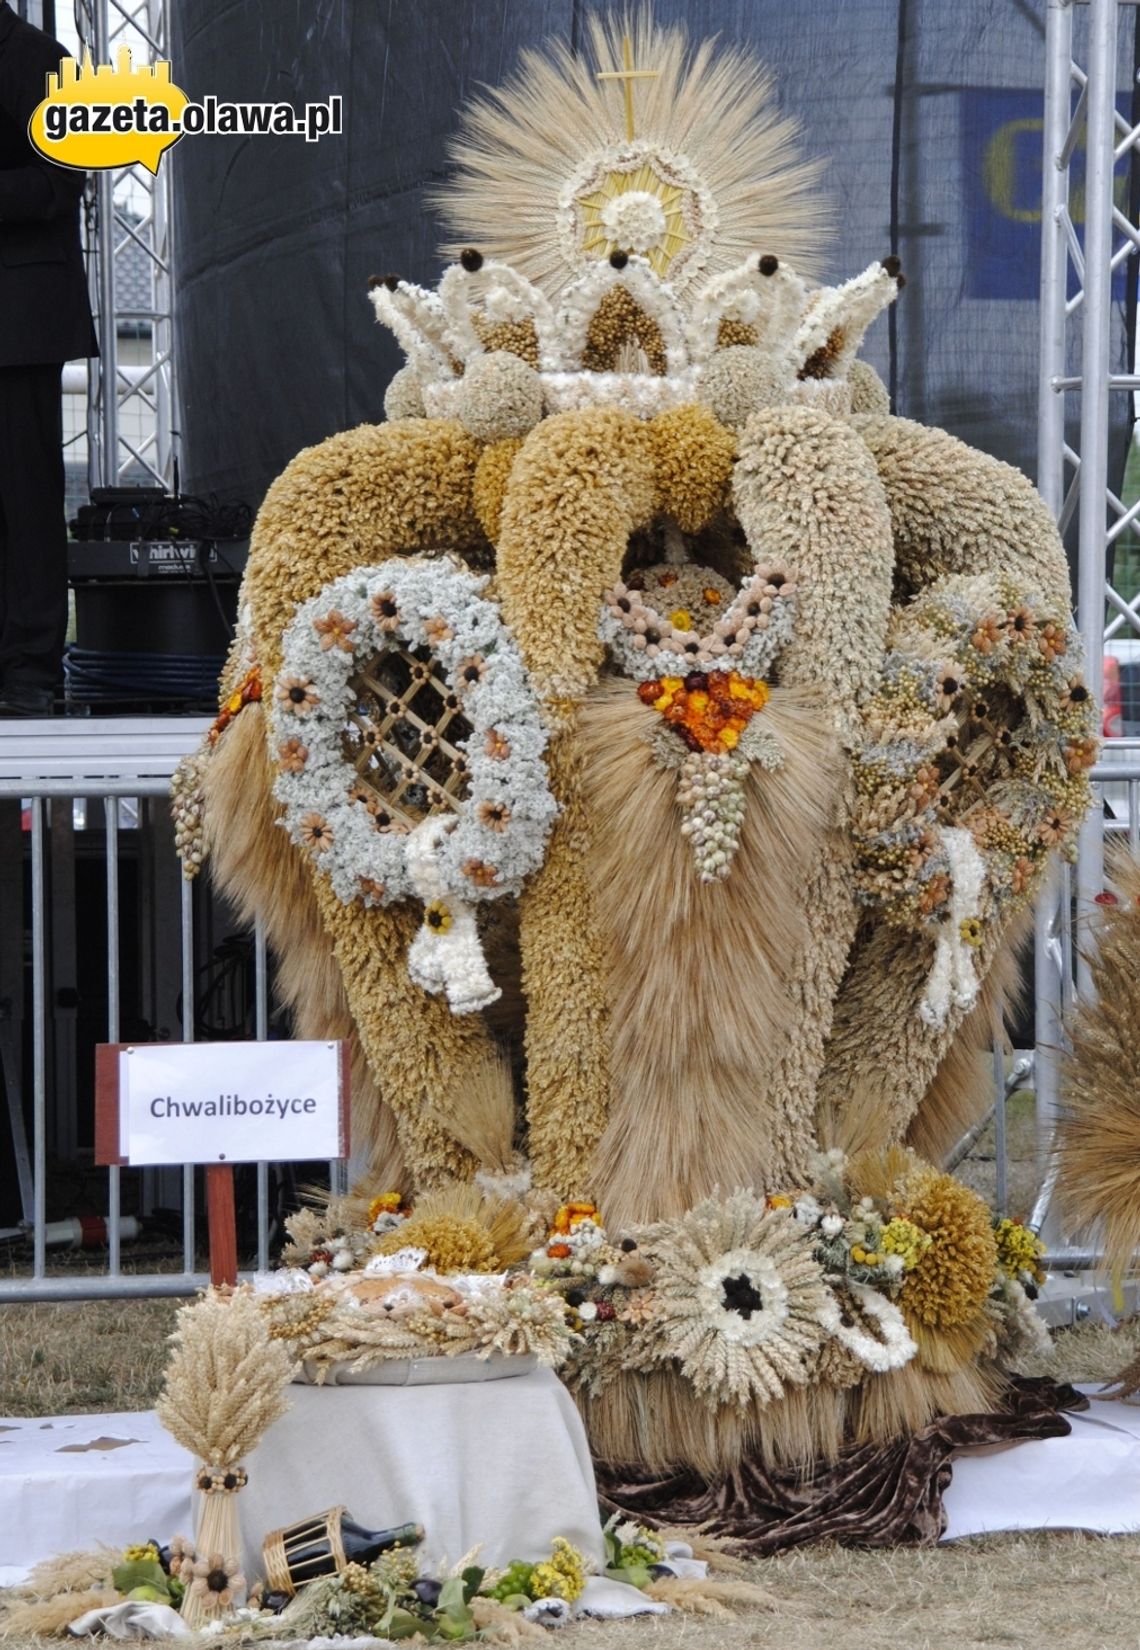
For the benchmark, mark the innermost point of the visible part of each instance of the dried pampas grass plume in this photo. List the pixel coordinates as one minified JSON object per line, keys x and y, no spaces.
{"x":717,"y":1551}
{"x":45,"y":1618}
{"x":1098,"y":1138}
{"x":529,"y":149}
{"x":74,"y":1572}
{"x":498,"y":1625}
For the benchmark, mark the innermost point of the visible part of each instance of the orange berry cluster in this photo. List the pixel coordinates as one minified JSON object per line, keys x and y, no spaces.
{"x":248,"y":691}
{"x":709,"y":709}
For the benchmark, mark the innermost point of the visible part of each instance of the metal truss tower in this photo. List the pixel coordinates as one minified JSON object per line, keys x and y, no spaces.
{"x":1076,"y":334}
{"x":128,"y":220}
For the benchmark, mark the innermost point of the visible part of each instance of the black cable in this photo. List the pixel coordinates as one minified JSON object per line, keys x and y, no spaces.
{"x":130,"y":514}
{"x":896,"y":184}
{"x":94,"y":676}
{"x":206,"y":564}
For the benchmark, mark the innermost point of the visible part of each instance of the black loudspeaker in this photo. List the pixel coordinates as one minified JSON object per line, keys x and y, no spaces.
{"x":153,"y":622}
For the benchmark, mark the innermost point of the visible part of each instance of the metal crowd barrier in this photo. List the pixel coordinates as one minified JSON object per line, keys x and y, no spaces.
{"x":56,"y":777}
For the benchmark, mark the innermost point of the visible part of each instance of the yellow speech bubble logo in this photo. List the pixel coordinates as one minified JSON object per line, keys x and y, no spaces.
{"x":94,"y":118}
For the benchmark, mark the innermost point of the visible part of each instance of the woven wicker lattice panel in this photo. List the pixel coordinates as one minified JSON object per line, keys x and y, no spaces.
{"x":979,"y":755}
{"x":402,"y":737}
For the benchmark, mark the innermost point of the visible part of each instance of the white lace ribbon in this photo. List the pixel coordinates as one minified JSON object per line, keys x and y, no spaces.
{"x":445,"y":955}
{"x":953,"y":978}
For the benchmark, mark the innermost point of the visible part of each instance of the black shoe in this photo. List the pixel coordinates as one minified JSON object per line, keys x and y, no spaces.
{"x":18,"y":699}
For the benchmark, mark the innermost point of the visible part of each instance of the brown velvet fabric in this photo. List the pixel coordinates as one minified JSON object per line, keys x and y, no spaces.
{"x":877,"y":1495}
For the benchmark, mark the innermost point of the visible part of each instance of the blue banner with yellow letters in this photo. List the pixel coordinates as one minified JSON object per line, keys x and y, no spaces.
{"x":1001,"y":165}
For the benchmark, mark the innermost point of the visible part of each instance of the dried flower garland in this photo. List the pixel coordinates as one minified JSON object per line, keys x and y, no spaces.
{"x":502,"y":825}
{"x":655,"y":620}
{"x":877,"y":1261}
{"x":335,"y":808}
{"x":981,"y":724}
{"x":706,"y":684}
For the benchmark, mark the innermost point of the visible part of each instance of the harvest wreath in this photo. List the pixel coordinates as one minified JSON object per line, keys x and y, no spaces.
{"x":737,"y":717}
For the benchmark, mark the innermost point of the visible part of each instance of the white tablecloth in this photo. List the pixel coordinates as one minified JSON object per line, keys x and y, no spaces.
{"x":501,"y":1462}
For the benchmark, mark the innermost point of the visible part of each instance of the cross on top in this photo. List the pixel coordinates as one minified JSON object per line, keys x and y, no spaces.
{"x":627,"y":74}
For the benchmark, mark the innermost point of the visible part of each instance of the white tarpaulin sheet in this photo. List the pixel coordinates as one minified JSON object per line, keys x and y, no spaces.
{"x":75,"y":1480}
{"x":1087,"y":1481}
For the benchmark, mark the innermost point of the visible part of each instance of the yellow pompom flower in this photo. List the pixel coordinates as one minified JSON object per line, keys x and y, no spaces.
{"x":902,"y":1237}
{"x":943,"y":1298}
{"x":562,"y":1576}
{"x":141,"y":1553}
{"x":1019,"y":1250}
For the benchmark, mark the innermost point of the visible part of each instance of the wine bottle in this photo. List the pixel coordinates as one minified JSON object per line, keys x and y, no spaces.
{"x":313,"y":1546}
{"x":362,"y":1546}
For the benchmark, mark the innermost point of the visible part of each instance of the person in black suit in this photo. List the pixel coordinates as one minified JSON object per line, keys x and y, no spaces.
{"x":45,"y":320}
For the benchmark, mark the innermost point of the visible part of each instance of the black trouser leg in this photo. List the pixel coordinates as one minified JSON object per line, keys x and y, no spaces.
{"x":33,"y":528}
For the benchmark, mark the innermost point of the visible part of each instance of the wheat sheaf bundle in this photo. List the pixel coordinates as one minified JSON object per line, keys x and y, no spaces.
{"x":225,"y":1386}
{"x":1098,"y":1137}
{"x":225,"y":1381}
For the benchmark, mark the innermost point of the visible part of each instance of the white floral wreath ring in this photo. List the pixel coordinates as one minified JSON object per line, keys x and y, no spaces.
{"x":497,"y":835}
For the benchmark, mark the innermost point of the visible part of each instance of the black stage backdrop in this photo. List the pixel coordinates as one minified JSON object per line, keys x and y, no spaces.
{"x":929,"y":115}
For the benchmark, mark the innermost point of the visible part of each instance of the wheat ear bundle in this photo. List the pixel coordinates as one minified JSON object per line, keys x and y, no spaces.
{"x":225,"y":1386}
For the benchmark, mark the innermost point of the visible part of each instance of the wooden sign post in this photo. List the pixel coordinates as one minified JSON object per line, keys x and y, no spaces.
{"x":217,"y":1104}
{"x":221,"y":1221}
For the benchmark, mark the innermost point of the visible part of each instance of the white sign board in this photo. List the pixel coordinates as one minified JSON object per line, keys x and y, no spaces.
{"x":230,"y":1102}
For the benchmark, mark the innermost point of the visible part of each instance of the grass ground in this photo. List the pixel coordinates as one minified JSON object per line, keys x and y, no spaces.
{"x":1026,"y":1592}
